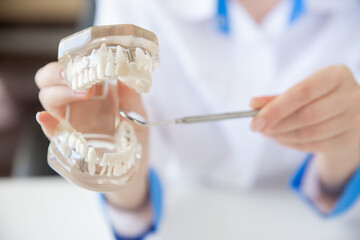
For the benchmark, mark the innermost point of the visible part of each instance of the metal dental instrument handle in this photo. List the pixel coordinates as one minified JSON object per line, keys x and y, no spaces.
{"x":192,"y":119}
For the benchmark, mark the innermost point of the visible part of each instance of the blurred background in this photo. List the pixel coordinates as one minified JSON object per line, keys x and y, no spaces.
{"x":30,"y":31}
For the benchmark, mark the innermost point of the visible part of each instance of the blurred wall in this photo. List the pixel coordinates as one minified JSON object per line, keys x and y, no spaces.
{"x":30,"y":31}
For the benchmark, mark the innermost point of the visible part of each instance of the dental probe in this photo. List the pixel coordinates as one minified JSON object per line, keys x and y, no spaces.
{"x":192,"y":119}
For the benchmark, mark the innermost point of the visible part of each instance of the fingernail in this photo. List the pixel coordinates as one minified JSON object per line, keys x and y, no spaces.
{"x":82,"y":92}
{"x":258,"y":125}
{"x":37,"y":117}
{"x":62,"y":76}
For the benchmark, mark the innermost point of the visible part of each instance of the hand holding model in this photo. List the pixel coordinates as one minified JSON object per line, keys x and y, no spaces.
{"x":82,"y":96}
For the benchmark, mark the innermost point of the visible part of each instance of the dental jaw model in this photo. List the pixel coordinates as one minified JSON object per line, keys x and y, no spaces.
{"x":91,"y":147}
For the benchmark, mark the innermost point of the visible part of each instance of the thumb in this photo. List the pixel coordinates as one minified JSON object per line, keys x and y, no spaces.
{"x":47,"y":122}
{"x":260,"y":102}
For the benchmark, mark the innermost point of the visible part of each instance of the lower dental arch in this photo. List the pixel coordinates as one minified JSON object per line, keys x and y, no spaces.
{"x":72,"y":144}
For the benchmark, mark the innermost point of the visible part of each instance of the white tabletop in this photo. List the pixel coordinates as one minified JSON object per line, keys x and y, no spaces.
{"x":51,"y":208}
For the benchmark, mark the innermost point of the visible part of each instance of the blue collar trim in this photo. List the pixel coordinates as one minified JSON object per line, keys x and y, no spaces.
{"x":298,"y":10}
{"x":223,"y":22}
{"x":222,"y":17}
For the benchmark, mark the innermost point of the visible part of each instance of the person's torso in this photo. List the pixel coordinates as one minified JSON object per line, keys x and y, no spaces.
{"x":204,"y":71}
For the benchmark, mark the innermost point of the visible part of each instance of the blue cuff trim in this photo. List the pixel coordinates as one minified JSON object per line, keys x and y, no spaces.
{"x":298,"y":10}
{"x":155,"y":194}
{"x":142,"y":237}
{"x":222,"y":17}
{"x":296,"y":180}
{"x":346,"y":200}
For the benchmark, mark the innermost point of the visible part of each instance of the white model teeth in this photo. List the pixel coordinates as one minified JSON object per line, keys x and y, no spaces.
{"x":101,"y":61}
{"x":83,"y":150}
{"x":127,"y":135}
{"x":65,"y":149}
{"x":138,"y":79}
{"x":113,"y":164}
{"x":140,"y":58}
{"x":72,"y":141}
{"x":120,"y":56}
{"x":144,"y":82}
{"x":91,"y":159}
{"x":92,"y":75}
{"x":82,"y":64}
{"x":108,"y":162}
{"x":105,"y":63}
{"x":92,"y":57}
{"x":86,"y":78}
{"x":78,"y":145}
{"x":80,"y":81}
{"x":121,"y":62}
{"x":117,"y":164}
{"x":119,"y":168}
{"x":110,"y":57}
{"x":74,"y":85}
{"x":110,"y":69}
{"x":121,"y":69}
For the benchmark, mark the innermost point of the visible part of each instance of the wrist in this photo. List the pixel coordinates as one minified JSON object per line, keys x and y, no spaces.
{"x":336,"y":167}
{"x":132,"y":196}
{"x":135,"y":194}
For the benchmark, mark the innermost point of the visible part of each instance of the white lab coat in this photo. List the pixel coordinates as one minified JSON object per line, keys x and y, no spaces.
{"x":204,"y":71}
